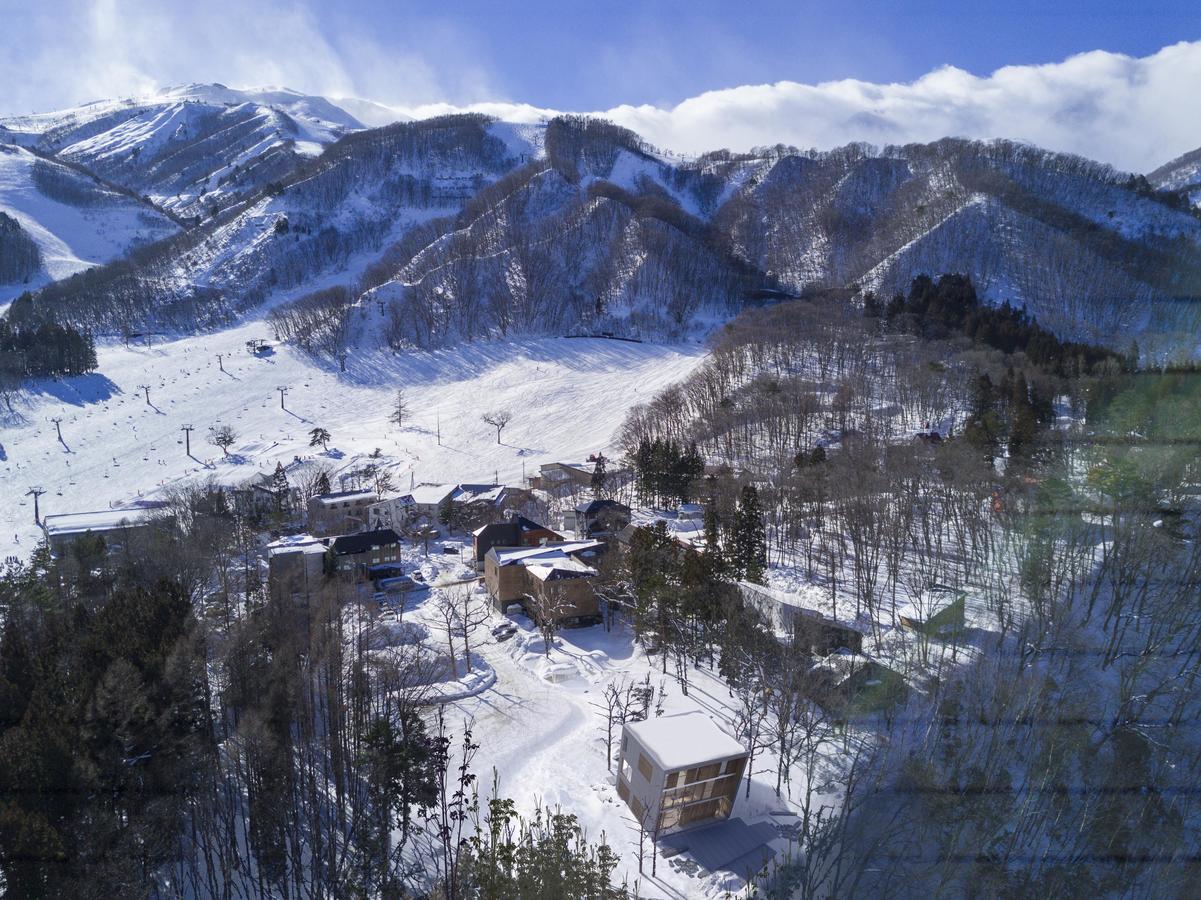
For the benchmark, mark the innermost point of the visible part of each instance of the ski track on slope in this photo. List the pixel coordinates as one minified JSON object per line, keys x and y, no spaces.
{"x":568,"y":397}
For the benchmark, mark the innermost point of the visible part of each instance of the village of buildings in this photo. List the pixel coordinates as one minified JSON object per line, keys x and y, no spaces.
{"x":527,"y":562}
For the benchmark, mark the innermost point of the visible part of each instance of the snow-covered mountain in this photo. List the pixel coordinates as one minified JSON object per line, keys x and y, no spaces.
{"x":463,"y":227}
{"x":1182,"y":174}
{"x":1092,"y":252}
{"x":72,"y":219}
{"x":190,"y":149}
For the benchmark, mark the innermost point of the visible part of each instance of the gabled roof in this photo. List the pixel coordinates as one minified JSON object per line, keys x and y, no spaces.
{"x":364,"y":541}
{"x":558,"y":569}
{"x":479,"y":493}
{"x":684,"y":740}
{"x":427,"y":494}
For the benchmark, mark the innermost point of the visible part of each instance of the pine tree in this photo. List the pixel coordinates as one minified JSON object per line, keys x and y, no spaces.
{"x":600,"y":478}
{"x":448,"y":514}
{"x":319,"y":436}
{"x":714,"y":556}
{"x":748,"y":538}
{"x":280,"y":487}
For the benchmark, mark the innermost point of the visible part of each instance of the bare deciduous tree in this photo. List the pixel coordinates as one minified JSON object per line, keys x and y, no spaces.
{"x":498,"y":420}
{"x":222,"y":436}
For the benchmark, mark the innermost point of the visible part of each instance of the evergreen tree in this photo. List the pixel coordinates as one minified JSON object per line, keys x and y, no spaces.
{"x":600,"y":478}
{"x":322,"y":485}
{"x":449,"y":515}
{"x":748,"y":538}
{"x":280,"y":489}
{"x":319,"y":436}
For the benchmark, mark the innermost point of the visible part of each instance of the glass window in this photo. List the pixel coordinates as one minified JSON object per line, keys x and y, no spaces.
{"x":644,"y":766}
{"x":704,"y":772}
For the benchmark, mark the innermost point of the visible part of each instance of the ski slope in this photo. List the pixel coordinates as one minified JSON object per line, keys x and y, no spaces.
{"x":567,"y":396}
{"x":71,"y":238}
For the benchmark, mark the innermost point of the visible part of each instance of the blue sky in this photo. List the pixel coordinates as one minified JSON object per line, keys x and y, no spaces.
{"x":882,"y":66}
{"x":577,"y":55}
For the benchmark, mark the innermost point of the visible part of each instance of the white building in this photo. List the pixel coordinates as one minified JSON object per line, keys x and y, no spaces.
{"x":114,"y":525}
{"x":679,"y":771}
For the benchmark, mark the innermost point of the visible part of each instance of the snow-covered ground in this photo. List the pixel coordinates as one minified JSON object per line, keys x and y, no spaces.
{"x":567,"y":396}
{"x":540,"y":723}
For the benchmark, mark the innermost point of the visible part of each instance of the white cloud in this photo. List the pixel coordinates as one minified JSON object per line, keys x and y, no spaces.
{"x":1133,"y":113}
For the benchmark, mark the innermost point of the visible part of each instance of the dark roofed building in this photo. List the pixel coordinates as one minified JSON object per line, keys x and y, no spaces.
{"x":596,"y":518}
{"x":518,"y":531}
{"x":358,"y":553}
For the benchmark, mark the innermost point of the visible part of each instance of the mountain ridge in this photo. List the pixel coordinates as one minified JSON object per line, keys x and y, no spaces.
{"x":609,"y":231}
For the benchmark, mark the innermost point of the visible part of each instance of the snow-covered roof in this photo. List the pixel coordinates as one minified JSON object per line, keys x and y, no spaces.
{"x":98,"y":520}
{"x":687,"y":530}
{"x":583,"y":467}
{"x":296,"y":543}
{"x":340,"y":497}
{"x":426,"y":494}
{"x":508,"y":556}
{"x":555,"y":568}
{"x":798,"y":602}
{"x":474,"y":493}
{"x":684,"y":740}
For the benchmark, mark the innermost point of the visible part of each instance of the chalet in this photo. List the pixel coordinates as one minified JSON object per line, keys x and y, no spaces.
{"x":115,"y":526}
{"x":679,"y":771}
{"x":517,"y":531}
{"x":480,"y":504}
{"x":846,"y":683}
{"x":809,"y":629}
{"x":367,"y":554}
{"x":553,"y":579}
{"x":685,"y":528}
{"x":561,"y":479}
{"x":596,"y":518}
{"x":340,"y":512}
{"x":390,"y":512}
{"x":258,"y":497}
{"x":942,"y":611}
{"x":427,"y":499}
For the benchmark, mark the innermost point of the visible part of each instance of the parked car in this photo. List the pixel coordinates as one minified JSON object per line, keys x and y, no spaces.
{"x":504,"y":631}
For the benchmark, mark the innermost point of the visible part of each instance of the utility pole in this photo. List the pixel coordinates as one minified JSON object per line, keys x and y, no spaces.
{"x":58,"y":426}
{"x":146,"y":388}
{"x":187,"y":438}
{"x":282,"y":390}
{"x":36,"y":492}
{"x":439,"y":427}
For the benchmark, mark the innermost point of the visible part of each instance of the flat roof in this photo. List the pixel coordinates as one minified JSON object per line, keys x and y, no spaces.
{"x":97,"y":520}
{"x":507,"y":556}
{"x":344,"y":497}
{"x":296,"y":543}
{"x":684,"y":740}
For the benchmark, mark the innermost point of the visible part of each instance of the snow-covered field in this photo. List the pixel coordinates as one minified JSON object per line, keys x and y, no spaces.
{"x":567,"y":396}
